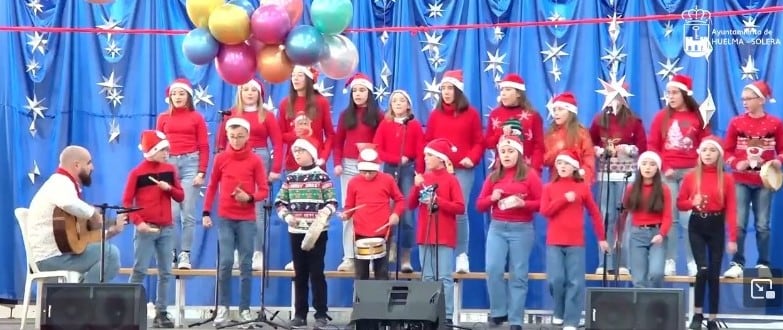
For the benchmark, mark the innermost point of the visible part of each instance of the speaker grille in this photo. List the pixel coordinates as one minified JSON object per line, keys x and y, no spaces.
{"x":93,"y":306}
{"x":635,"y":309}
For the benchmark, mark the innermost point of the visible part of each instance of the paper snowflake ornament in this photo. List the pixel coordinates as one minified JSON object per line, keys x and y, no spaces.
{"x":614,"y":94}
{"x":432,"y":42}
{"x":381,"y":92}
{"x":112,"y":49}
{"x":498,"y":33}
{"x":109,"y":25}
{"x":614,"y":27}
{"x":495,"y":62}
{"x":432,"y":90}
{"x":35,"y":6}
{"x":37,"y":42}
{"x":34,"y":172}
{"x":325,"y":91}
{"x":35,"y":107}
{"x":114,"y":96}
{"x":32,"y":129}
{"x":201,"y":95}
{"x":32,"y":66}
{"x":669,"y":69}
{"x":435,"y":9}
{"x":707,"y":108}
{"x":555,"y":71}
{"x":668,"y":29}
{"x":553,"y":52}
{"x":385,"y":73}
{"x":114,"y":131}
{"x":269,"y":105}
{"x":749,"y":70}
{"x":112,"y":82}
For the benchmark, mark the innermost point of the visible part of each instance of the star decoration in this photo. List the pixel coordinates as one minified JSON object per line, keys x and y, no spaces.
{"x":707,"y":108}
{"x":34,"y":173}
{"x":114,"y":131}
{"x":555,"y":72}
{"x":32,"y":128}
{"x":555,"y":17}
{"x":553,"y":52}
{"x":495,"y":62}
{"x":668,"y":29}
{"x":614,"y":94}
{"x":749,"y":24}
{"x":381,"y":92}
{"x":109,"y":83}
{"x":35,"y":6}
{"x":669,"y":68}
{"x":35,"y":107}
{"x":497,"y":78}
{"x":269,"y":105}
{"x":110,"y":25}
{"x":614,"y":55}
{"x":436,"y":60}
{"x":37,"y":42}
{"x":325,"y":91}
{"x":435,"y":9}
{"x":385,"y":73}
{"x":384,"y":37}
{"x":32,"y":66}
{"x":432,"y":42}
{"x":112,"y":49}
{"x":432,"y":90}
{"x":498,"y":32}
{"x":614,"y":27}
{"x":114,"y":96}
{"x":749,"y":70}
{"x":201,"y":95}
{"x":491,"y":159}
{"x":550,"y":108}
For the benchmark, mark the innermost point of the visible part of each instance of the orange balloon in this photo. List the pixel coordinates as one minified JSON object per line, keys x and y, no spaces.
{"x":273,"y":64}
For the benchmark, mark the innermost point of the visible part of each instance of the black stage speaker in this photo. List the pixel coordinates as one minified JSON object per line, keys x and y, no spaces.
{"x":66,"y":306}
{"x":398,"y":304}
{"x":635,"y":309}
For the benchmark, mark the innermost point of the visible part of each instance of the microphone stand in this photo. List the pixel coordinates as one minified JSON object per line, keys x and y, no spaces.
{"x":433,"y":215}
{"x":103,"y":207}
{"x":397,"y":175}
{"x":605,"y":188}
{"x":620,"y":231}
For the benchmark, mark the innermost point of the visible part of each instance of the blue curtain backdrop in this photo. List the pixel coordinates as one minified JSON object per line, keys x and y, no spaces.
{"x":102,"y":90}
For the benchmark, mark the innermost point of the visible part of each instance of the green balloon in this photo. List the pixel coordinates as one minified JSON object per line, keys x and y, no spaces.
{"x":331,"y":16}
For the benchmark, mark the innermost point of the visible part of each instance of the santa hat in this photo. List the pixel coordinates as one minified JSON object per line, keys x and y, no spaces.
{"x":181,"y":83}
{"x":571,"y":158}
{"x":308,"y":144}
{"x":761,"y":89}
{"x":359,"y":79}
{"x":516,"y":127}
{"x":711,"y":141}
{"x":403,"y":93}
{"x":566,"y":100}
{"x":255,"y":83}
{"x":368,"y":157}
{"x":454,"y":77}
{"x":650,"y":155}
{"x":310,"y":72}
{"x":152,"y":141}
{"x":682,"y":82}
{"x":444,"y":150}
{"x":238,"y":121}
{"x":512,"y":141}
{"x":512,"y":80}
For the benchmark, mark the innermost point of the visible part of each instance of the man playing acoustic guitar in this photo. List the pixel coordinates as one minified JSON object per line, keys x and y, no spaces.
{"x":63,"y":190}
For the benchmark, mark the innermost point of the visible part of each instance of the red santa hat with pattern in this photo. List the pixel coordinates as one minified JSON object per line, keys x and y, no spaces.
{"x":308,"y":144}
{"x":572,"y":158}
{"x":511,"y":141}
{"x":180,"y":83}
{"x":454,"y":77}
{"x":761,"y":89}
{"x":681,"y":82}
{"x":255,"y":83}
{"x":368,"y":157}
{"x":359,"y":79}
{"x":152,"y":141}
{"x":512,"y":80}
{"x":565,"y":100}
{"x":711,"y":141}
{"x":444,"y":150}
{"x":309,"y":72}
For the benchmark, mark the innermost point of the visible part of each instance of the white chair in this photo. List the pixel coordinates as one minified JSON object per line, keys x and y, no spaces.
{"x":33,"y":274}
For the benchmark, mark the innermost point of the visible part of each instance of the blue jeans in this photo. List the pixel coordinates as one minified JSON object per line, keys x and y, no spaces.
{"x":405,"y":183}
{"x":615,"y":191}
{"x":512,"y":241}
{"x":88,"y":263}
{"x":187,"y":168}
{"x":465,"y":178}
{"x":445,"y":270}
{"x":160,"y":244}
{"x":235,"y":235}
{"x":678,"y":217}
{"x":262,"y":153}
{"x":349,"y":171}
{"x":760,"y":198}
{"x":647,"y":259}
{"x":565,"y":272}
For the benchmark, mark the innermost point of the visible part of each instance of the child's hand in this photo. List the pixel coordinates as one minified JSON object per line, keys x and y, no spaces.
{"x":697,"y":200}
{"x":731,"y":247}
{"x":570,"y":196}
{"x":603,"y":245}
{"x":290,"y":220}
{"x":418,"y":180}
{"x":206,"y":221}
{"x":466,"y":162}
{"x":657,"y":239}
{"x":496,"y":195}
{"x":345,"y":216}
{"x":394,"y":219}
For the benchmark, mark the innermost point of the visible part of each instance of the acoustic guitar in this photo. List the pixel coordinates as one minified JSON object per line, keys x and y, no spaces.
{"x":72,"y":234}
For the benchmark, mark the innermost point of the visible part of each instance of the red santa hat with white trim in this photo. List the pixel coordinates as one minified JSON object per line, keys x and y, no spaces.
{"x":572,"y":158}
{"x":359,"y":79}
{"x":238,"y":121}
{"x":652,"y":155}
{"x":512,"y":80}
{"x":255,"y":83}
{"x":711,"y":141}
{"x":682,"y":82}
{"x":444,"y":150}
{"x":152,"y":141}
{"x":309,"y":72}
{"x":565,"y":100}
{"x":455,"y":78}
{"x":368,"y":157}
{"x":404,"y":94}
{"x":761,"y":89}
{"x":180,"y":83}
{"x":308,"y":144}
{"x":511,"y":141}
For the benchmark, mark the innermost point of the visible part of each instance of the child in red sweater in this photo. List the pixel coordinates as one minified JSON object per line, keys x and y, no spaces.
{"x":563,"y":202}
{"x":566,"y":133}
{"x":438,"y":198}
{"x":708,"y":194}
{"x":371,"y":192}
{"x":240,"y":177}
{"x":151,"y":186}
{"x":513,"y":193}
{"x":648,"y":201}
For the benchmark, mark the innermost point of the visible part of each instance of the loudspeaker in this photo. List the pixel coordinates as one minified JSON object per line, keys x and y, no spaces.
{"x":635,"y":309}
{"x":93,"y":306}
{"x":413,"y":304}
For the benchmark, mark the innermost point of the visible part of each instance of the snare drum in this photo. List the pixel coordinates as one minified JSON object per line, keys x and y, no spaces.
{"x":370,"y":248}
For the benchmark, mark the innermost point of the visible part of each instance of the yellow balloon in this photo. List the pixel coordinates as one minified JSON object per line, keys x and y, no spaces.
{"x":199,"y":10}
{"x":229,"y":24}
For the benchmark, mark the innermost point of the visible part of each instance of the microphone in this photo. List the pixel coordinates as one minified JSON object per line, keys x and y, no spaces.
{"x":225,"y":112}
{"x":628,"y":174}
{"x":122,"y":209}
{"x":434,"y":186}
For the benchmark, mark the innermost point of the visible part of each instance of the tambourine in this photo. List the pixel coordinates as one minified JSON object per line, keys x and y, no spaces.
{"x":314,"y":232}
{"x":771,"y":176}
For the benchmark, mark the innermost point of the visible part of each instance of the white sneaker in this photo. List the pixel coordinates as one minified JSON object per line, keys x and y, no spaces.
{"x":258,"y":260}
{"x":345,"y":266}
{"x":221,"y":317}
{"x":760,"y":266}
{"x":246,"y":315}
{"x":624,"y":271}
{"x":463,"y":264}
{"x":599,"y":271}
{"x":735,"y":271}
{"x":557,"y":321}
{"x":289,"y":266}
{"x":569,"y":328}
{"x":183,"y":260}
{"x":671,"y":268}
{"x":692,"y":269}
{"x":236,"y":260}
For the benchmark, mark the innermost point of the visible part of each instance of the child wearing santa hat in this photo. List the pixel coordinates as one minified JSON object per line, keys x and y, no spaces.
{"x":186,"y":132}
{"x":240,"y":177}
{"x":753,"y":139}
{"x":563,"y":202}
{"x":151,"y":186}
{"x":512,"y":193}
{"x":708,"y":194}
{"x":438,"y":190}
{"x":566,"y":133}
{"x":367,"y":205}
{"x":297,"y":206}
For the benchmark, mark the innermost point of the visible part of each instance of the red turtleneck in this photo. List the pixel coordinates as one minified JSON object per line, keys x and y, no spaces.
{"x":186,"y":131}
{"x":375,"y":195}
{"x":260,"y":132}
{"x":236,"y":169}
{"x":450,"y":205}
{"x":141,"y":191}
{"x":388,"y":141}
{"x":566,"y":225}
{"x":644,"y":218}
{"x":529,"y":189}
{"x":532,"y":132}
{"x":345,"y":139}
{"x":462,"y":129}
{"x":715,"y":197}
{"x":323,"y":130}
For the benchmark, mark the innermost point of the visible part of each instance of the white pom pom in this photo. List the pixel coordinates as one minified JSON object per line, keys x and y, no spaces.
{"x":453,"y":149}
{"x":345,"y":90}
{"x":581,"y":172}
{"x":141,"y":148}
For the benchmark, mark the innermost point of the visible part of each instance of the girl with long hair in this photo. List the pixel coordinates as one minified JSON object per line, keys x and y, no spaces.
{"x":566,"y":133}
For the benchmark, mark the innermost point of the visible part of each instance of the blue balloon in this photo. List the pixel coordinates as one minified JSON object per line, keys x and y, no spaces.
{"x":244,"y":4}
{"x":200,"y":47}
{"x":304,"y":45}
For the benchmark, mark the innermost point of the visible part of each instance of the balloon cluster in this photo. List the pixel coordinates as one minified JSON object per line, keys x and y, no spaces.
{"x":242,"y":39}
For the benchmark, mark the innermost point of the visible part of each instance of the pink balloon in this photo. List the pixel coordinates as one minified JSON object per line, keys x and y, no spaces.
{"x":255,"y":44}
{"x":270,"y":24}
{"x":236,"y":64}
{"x":293,"y":7}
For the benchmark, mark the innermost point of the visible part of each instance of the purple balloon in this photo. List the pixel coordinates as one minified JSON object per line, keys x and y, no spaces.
{"x":270,"y":24}
{"x":236,"y":64}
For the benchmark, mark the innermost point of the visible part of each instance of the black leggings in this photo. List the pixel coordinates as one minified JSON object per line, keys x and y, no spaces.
{"x":707,"y":235}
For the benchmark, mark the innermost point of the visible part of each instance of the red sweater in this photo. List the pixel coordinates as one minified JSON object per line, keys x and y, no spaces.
{"x":532,"y":132}
{"x":140,"y":191}
{"x":260,"y":132}
{"x":631,"y":133}
{"x":555,"y":141}
{"x":744,"y":131}
{"x":644,"y":218}
{"x":450,"y":204}
{"x":529,"y":189}
{"x":388,"y":142}
{"x":345,"y":139}
{"x":375,"y":195}
{"x":236,"y":169}
{"x":186,"y":131}
{"x":566,"y":220}
{"x":463,"y":130}
{"x":323,"y":130}
{"x":678,"y":142}
{"x":711,"y":194}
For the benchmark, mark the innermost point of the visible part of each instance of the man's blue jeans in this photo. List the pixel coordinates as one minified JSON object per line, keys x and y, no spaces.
{"x":88,"y":263}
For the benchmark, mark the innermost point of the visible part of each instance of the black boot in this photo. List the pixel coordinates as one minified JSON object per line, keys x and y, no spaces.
{"x":696,"y":322}
{"x":712,"y":325}
{"x":162,"y":320}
